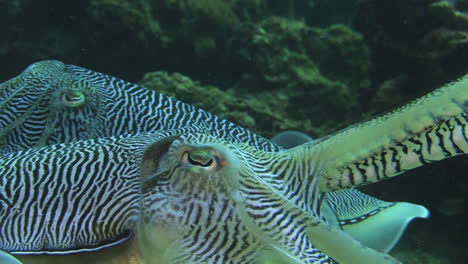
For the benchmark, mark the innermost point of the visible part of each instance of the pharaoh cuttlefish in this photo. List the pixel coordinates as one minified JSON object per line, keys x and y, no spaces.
{"x":192,"y":187}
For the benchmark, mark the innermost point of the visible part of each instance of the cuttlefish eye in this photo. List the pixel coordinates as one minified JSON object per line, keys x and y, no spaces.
{"x":73,"y":98}
{"x":198,"y":160}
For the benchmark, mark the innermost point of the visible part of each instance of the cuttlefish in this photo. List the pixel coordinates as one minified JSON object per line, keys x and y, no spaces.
{"x":73,"y":201}
{"x":51,"y":102}
{"x":221,"y":202}
{"x":201,"y":182}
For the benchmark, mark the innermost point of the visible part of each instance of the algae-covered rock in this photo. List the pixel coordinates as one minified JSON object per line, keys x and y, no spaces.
{"x":217,"y":13}
{"x":341,"y":54}
{"x":122,"y":37}
{"x":32,"y":31}
{"x":131,"y":21}
{"x":262,"y":112}
{"x":288,"y":56}
{"x":201,"y":23}
{"x":417,"y":44}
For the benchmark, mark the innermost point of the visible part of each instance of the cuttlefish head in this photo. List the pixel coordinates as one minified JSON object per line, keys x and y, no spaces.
{"x":206,"y":199}
{"x":189,"y":186}
{"x":59,"y":104}
{"x":191,"y":163}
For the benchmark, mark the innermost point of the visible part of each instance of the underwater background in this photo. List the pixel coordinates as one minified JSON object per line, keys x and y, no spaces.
{"x":275,"y":65}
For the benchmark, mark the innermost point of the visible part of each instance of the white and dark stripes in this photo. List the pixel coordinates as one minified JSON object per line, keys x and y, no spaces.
{"x":447,"y":139}
{"x":231,"y":215}
{"x":72,"y":197}
{"x":69,"y":196}
{"x":281,"y":206}
{"x":32,"y":111}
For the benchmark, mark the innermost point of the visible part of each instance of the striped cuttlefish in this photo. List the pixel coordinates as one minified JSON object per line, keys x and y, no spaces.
{"x":179,"y":185}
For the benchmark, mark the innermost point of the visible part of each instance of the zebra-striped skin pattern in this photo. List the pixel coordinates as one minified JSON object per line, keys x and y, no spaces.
{"x":72,"y":197}
{"x":223,"y":202}
{"x":230,"y":213}
{"x":51,"y":102}
{"x":84,"y":195}
{"x":291,"y":177}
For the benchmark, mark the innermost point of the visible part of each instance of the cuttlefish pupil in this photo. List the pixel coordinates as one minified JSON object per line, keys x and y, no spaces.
{"x":73,"y":98}
{"x":199,"y":160}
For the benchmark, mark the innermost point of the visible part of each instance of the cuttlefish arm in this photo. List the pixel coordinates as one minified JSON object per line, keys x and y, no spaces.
{"x":431,"y":128}
{"x":298,"y":235}
{"x":375,"y":223}
{"x":223,"y":193}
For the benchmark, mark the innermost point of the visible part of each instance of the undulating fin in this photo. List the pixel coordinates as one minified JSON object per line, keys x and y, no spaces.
{"x":431,"y":128}
{"x":375,"y":223}
{"x":6,"y":258}
{"x":125,"y":253}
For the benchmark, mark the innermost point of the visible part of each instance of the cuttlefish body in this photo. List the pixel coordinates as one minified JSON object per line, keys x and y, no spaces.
{"x":51,"y":102}
{"x":218,"y":202}
{"x":232,"y":202}
{"x":202,"y":184}
{"x":85,"y":196}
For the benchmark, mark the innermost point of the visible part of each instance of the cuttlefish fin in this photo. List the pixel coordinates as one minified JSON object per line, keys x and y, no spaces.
{"x":343,"y":247}
{"x":7,"y":258}
{"x":377,"y":224}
